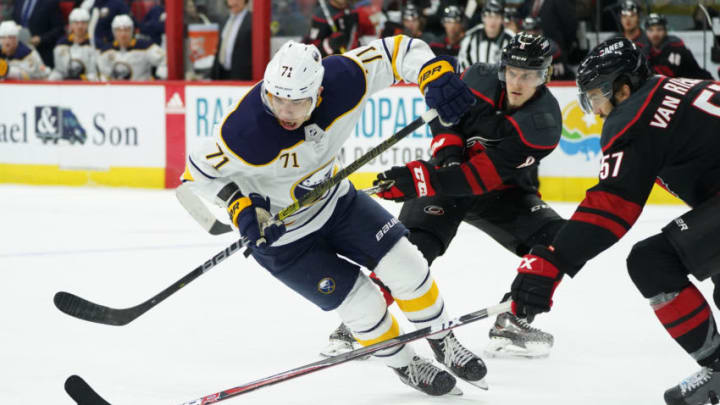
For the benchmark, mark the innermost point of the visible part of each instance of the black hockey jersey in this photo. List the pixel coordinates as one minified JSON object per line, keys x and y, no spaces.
{"x":501,"y":147}
{"x":329,"y":41}
{"x":665,"y":133}
{"x":674,"y":59}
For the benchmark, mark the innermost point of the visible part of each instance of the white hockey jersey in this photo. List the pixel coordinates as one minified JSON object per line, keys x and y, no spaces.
{"x":74,"y":61}
{"x":252,"y":149}
{"x":25,"y":64}
{"x":132,"y":63}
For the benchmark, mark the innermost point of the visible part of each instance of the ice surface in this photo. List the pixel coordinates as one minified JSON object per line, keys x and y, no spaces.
{"x":236,"y":323}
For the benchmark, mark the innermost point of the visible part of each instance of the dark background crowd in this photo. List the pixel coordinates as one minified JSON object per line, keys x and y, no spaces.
{"x":474,"y":31}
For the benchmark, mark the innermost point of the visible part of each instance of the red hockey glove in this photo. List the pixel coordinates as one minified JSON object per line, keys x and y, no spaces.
{"x":444,"y":90}
{"x":408,"y":182}
{"x":534,"y":286}
{"x":447,"y":149}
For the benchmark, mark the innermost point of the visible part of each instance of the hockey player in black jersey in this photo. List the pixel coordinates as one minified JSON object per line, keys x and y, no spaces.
{"x":656,"y":129}
{"x":483,"y":172}
{"x":668,"y":54}
{"x":630,"y":26}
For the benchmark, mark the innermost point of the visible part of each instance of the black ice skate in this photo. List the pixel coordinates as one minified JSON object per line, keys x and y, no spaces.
{"x":426,"y":377}
{"x":701,"y":388}
{"x":514,"y":337}
{"x":459,"y":360}
{"x":341,"y":341}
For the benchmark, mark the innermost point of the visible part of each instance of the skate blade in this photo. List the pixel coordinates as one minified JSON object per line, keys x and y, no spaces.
{"x":337,"y":348}
{"x":503,"y":348}
{"x":455,"y":391}
{"x":481,"y":383}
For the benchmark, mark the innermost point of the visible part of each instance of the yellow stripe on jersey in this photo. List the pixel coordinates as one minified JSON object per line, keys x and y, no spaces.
{"x":396,"y":50}
{"x":187,"y":176}
{"x":393,"y":332}
{"x":422,"y":302}
{"x":433,"y":71}
{"x":362,"y":69}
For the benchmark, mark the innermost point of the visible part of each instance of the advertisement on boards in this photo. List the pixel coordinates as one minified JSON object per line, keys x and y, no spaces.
{"x":82,"y":127}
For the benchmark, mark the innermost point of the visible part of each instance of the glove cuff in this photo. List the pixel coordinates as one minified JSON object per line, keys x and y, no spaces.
{"x":238,"y":202}
{"x":434,"y":69}
{"x":540,"y":261}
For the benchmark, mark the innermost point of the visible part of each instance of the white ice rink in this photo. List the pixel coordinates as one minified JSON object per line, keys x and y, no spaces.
{"x":236,"y":323}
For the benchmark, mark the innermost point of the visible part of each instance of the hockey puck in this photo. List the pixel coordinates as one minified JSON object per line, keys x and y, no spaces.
{"x":82,"y":393}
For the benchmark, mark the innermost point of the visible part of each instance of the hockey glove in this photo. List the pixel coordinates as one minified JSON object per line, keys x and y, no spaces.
{"x":447,"y":149}
{"x":252,"y":217}
{"x":534,"y":286}
{"x":336,"y":43}
{"x":408,"y":182}
{"x":444,"y":90}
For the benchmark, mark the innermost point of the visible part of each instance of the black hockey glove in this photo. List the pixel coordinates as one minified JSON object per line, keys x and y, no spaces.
{"x":336,"y":43}
{"x":408,"y":182}
{"x":443,"y":89}
{"x":252,"y":217}
{"x":534,"y":286}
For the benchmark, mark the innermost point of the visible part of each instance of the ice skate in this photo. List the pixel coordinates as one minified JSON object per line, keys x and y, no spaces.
{"x":514,"y":337}
{"x":341,"y":341}
{"x":426,"y":377}
{"x":459,"y":360}
{"x":701,"y":388}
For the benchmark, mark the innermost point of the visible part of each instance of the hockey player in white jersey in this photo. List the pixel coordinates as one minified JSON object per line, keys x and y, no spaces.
{"x":129,"y":58}
{"x":282,"y":139}
{"x":75,"y":56}
{"x":17,"y":60}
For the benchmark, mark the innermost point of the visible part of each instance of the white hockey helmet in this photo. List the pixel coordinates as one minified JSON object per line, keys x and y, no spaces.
{"x":9,"y":29}
{"x":295,"y":73}
{"x":122,"y":21}
{"x":79,"y":15}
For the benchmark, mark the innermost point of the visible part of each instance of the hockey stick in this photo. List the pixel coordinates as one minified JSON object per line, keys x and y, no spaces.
{"x":79,"y":386}
{"x":199,"y":211}
{"x":207,"y":220}
{"x":329,"y":18}
{"x":81,"y":308}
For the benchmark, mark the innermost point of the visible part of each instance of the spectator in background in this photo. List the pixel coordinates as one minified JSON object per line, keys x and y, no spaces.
{"x":334,"y":27}
{"x":630,"y":23}
{"x":557,"y":17}
{"x":17,"y":60}
{"x":668,"y":54}
{"x":215,"y":10}
{"x":485,"y":42}
{"x":129,"y":58}
{"x":453,"y":21}
{"x":75,"y":57}
{"x":6,"y":9}
{"x":233,"y":59}
{"x":413,"y":22}
{"x":102,"y":14}
{"x":153,"y":25}
{"x":511,"y":20}
{"x":560,"y":69}
{"x":44,"y":21}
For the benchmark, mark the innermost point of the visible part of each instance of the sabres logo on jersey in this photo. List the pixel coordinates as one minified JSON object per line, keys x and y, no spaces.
{"x":326,"y":285}
{"x":312,"y":180}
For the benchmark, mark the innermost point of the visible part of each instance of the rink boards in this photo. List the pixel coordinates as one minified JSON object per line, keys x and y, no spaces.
{"x":137,"y":135}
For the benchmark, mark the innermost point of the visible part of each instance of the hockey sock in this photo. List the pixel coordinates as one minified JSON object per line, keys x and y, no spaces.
{"x":383,"y":288}
{"x":688,"y":319}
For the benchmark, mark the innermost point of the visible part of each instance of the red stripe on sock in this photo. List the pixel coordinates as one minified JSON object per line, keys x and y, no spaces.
{"x":686,"y":302}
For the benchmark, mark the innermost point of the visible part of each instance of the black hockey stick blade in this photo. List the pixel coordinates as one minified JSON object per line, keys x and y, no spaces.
{"x":82,"y":393}
{"x":89,"y":311}
{"x":352,"y":355}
